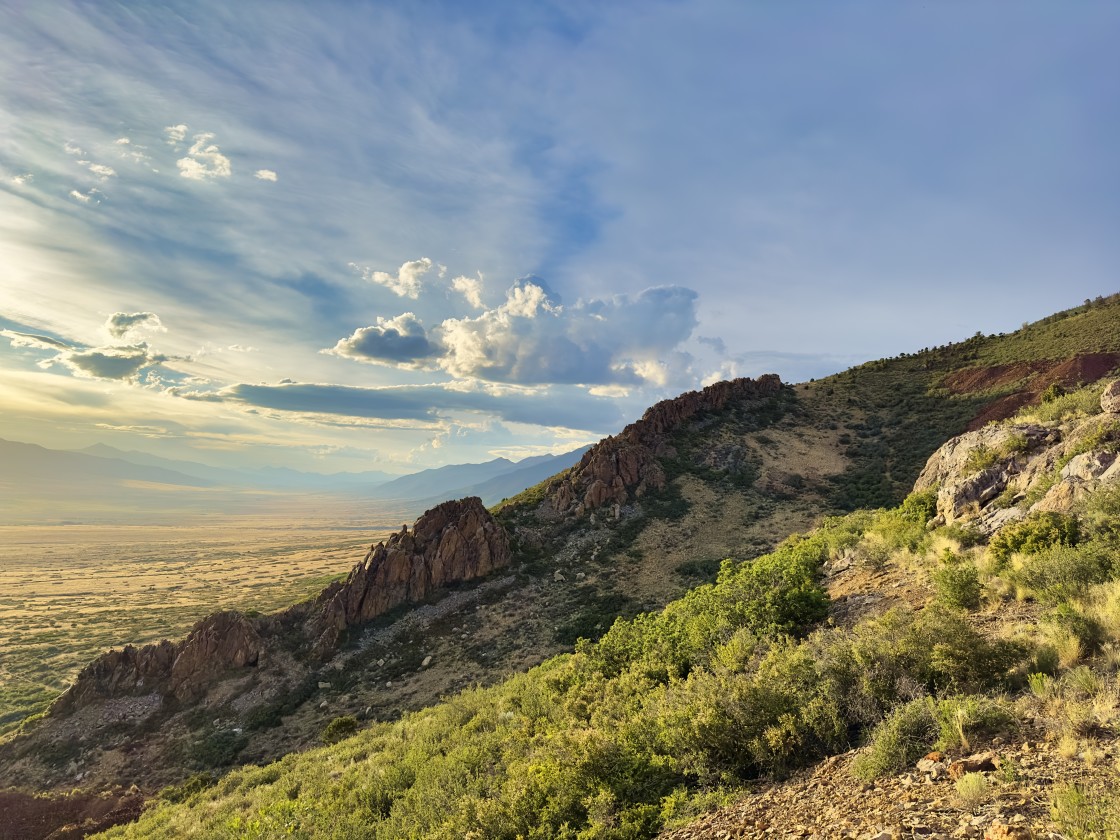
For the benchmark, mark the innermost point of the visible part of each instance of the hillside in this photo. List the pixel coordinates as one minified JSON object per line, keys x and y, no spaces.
{"x":644,"y":517}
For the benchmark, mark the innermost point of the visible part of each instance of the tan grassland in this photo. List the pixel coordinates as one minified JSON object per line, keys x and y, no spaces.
{"x":69,"y":592}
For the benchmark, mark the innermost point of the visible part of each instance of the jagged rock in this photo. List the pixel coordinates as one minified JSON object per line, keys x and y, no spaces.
{"x":218,"y":643}
{"x":1110,"y":398}
{"x":622,"y":468}
{"x":1088,"y":465}
{"x":455,"y":541}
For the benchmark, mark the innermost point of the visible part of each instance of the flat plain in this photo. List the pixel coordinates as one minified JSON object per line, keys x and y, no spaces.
{"x":70,"y":592}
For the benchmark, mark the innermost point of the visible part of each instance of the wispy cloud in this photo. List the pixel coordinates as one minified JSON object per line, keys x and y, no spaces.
{"x":265,"y":175}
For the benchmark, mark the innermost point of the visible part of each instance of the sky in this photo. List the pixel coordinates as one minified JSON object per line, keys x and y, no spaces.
{"x":395,"y":235}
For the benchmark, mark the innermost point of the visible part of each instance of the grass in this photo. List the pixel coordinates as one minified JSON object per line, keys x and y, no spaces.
{"x":68,"y":594}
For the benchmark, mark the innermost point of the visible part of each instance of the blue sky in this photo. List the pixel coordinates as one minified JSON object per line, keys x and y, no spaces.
{"x":347,"y":235}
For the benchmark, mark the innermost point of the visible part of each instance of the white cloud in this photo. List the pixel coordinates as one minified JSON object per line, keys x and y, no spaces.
{"x":120,"y":324}
{"x":72,"y":149}
{"x":532,"y":338}
{"x":102,"y":171}
{"x":20,"y":180}
{"x":175,"y":134}
{"x":117,"y":362}
{"x":471,"y":289}
{"x":405,"y":283}
{"x":82,"y":197}
{"x":204,"y":160}
{"x":399,"y":342}
{"x":265,"y":175}
{"x":38,"y":342}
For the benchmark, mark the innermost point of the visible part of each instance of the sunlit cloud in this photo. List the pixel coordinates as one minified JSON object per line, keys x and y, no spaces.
{"x":204,"y":160}
{"x":175,"y":134}
{"x":400,"y":341}
{"x":405,"y":283}
{"x":265,"y":175}
{"x":121,"y":324}
{"x":471,"y":289}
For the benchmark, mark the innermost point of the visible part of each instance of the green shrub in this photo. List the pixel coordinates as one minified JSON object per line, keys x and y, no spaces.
{"x":957,"y":582}
{"x":1034,"y":534}
{"x":964,"y":720}
{"x":919,"y":507}
{"x":1063,"y":573}
{"x":972,"y":790}
{"x":901,"y":739}
{"x":195,"y":784}
{"x":340,"y":729}
{"x":1083,"y":817}
{"x":218,"y":749}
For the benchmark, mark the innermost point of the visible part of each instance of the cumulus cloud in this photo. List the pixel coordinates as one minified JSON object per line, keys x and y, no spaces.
{"x":265,"y":175}
{"x":400,"y":341}
{"x":122,"y":363}
{"x":175,"y":134}
{"x":533,"y":338}
{"x":471,"y":289}
{"x":82,"y":197}
{"x":204,"y":159}
{"x":121,"y":324}
{"x":405,"y":283}
{"x":101,"y":171}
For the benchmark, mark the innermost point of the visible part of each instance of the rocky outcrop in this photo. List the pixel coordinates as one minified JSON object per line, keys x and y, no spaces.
{"x":183,"y":670}
{"x":1110,"y":399}
{"x":453,"y":542}
{"x":1028,"y":467}
{"x":625,"y":467}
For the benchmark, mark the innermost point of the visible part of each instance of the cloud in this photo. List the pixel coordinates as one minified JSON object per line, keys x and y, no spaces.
{"x":39,"y":342}
{"x":73,"y":149}
{"x":82,"y":197}
{"x":175,"y":134}
{"x":471,"y":289}
{"x":400,"y":341}
{"x":204,"y":160}
{"x":122,"y":363}
{"x":568,"y":408}
{"x":120,"y":324}
{"x":101,"y":171}
{"x":265,"y":175}
{"x":143,"y":431}
{"x":406,"y":282}
{"x":532,"y":338}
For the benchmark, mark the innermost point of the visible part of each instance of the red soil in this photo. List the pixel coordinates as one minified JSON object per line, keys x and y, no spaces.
{"x":68,"y":817}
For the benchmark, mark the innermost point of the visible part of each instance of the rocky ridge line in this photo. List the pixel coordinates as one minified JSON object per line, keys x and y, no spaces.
{"x":626,"y":466}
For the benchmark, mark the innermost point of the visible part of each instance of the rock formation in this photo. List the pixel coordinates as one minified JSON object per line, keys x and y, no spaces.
{"x":1110,"y":399}
{"x":219,"y":643}
{"x":455,"y":541}
{"x":624,"y":467}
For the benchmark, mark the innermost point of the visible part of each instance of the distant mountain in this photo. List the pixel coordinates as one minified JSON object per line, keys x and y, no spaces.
{"x":263,"y":477}
{"x":492,"y":480}
{"x":525,"y":474}
{"x":26,"y":465}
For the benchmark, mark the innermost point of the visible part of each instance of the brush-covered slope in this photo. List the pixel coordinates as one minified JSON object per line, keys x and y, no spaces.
{"x":962,"y":674}
{"x":722,"y":474}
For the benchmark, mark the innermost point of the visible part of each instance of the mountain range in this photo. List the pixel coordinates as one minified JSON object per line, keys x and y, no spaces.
{"x":880,"y":604}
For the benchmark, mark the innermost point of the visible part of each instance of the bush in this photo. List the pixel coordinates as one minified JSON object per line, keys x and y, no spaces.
{"x":919,"y":507}
{"x":1063,"y":573}
{"x":964,"y":719}
{"x":972,"y":790}
{"x":1034,"y":534}
{"x":1083,"y":817}
{"x":340,"y":729}
{"x":901,"y":739}
{"x":218,"y":749}
{"x":957,"y":583}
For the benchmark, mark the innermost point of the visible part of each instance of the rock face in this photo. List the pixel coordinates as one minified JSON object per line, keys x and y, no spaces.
{"x":453,"y":542}
{"x":1110,"y":399}
{"x":1061,"y":463}
{"x":183,"y":670}
{"x":624,"y":467}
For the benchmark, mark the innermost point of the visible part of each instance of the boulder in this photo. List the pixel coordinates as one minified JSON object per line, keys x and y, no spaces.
{"x":1110,"y":399}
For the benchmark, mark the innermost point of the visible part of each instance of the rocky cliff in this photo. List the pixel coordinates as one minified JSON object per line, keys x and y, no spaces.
{"x":624,"y":467}
{"x":453,"y":542}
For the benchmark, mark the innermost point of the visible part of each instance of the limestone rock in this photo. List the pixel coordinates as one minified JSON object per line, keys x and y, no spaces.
{"x":453,"y":542}
{"x":1110,"y":399}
